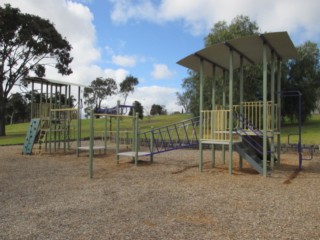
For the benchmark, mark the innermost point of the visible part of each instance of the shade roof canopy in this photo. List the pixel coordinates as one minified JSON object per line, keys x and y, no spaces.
{"x":250,"y":48}
{"x":52,"y":82}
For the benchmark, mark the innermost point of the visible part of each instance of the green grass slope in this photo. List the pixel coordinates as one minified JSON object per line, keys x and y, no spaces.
{"x":310,"y":130}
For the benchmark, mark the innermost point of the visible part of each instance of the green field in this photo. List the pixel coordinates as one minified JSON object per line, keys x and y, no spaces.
{"x":310,"y":130}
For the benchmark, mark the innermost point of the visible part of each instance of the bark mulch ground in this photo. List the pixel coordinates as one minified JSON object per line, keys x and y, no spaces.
{"x":51,"y":197}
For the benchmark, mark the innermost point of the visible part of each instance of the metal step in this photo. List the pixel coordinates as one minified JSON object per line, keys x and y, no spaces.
{"x":251,"y":158}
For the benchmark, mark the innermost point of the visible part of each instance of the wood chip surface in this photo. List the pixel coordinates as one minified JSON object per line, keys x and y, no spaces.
{"x":51,"y":197}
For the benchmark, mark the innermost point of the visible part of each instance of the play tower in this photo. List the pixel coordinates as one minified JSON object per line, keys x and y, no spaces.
{"x":54,"y":121}
{"x":250,"y":128}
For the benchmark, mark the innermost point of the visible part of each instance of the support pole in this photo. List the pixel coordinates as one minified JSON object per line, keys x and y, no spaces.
{"x":272,"y":110}
{"x":230,"y":111}
{"x":213,"y":153}
{"x":136,"y":147}
{"x":224,"y":107}
{"x":241,"y":102}
{"x":32,"y":97}
{"x":79,"y":123}
{"x":117,"y":131}
{"x":105,"y":134}
{"x":50,"y":119}
{"x":201,"y":115}
{"x":151,"y":144}
{"x":91,"y":144}
{"x":264,"y":172}
{"x":279,"y":111}
{"x":40,"y":104}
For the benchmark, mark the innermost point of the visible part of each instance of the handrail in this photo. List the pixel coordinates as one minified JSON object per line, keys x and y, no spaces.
{"x":171,"y":137}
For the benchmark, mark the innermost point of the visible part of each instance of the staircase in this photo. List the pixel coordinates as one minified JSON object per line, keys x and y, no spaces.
{"x":250,"y":155}
{"x":251,"y":147}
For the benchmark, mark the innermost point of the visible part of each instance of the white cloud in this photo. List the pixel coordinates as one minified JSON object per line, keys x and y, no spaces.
{"x":155,"y":95}
{"x":161,"y":71}
{"x":148,"y":96}
{"x":75,"y":22}
{"x":117,"y":74}
{"x":295,"y":16}
{"x":124,"y":60}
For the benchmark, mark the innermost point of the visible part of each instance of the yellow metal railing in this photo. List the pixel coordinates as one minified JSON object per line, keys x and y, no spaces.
{"x":216,"y":125}
{"x":253,"y":112}
{"x":43,"y":110}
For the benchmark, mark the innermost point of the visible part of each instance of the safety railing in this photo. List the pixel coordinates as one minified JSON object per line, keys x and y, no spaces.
{"x":216,"y":125}
{"x":253,"y":112}
{"x":42,"y":110}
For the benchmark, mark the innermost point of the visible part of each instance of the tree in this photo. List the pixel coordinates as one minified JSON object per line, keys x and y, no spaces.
{"x":158,"y":110}
{"x":17,"y":110}
{"x":99,"y":90}
{"x":127,"y":86}
{"x":240,"y":26}
{"x":303,"y":75}
{"x":138,"y":108}
{"x":28,"y":44}
{"x":184,"y":101}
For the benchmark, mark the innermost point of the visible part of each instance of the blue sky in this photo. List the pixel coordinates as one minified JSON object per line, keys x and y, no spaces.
{"x":145,"y":38}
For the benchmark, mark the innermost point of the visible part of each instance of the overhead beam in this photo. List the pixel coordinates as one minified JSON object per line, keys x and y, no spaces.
{"x":210,"y":61}
{"x":239,"y":52}
{"x":265,"y":41}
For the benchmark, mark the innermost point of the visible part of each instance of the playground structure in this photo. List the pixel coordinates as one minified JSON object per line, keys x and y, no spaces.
{"x":157,"y":140}
{"x":54,"y":122}
{"x":250,"y":128}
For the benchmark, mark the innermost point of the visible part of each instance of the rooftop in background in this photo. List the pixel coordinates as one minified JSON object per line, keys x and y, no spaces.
{"x":251,"y":48}
{"x":52,"y":82}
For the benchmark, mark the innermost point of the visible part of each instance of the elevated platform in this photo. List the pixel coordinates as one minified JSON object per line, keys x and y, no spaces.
{"x":133,"y":154}
{"x":87,"y":148}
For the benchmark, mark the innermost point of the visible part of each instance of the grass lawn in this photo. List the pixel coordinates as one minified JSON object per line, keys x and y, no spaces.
{"x":16,"y":133}
{"x":310,"y":130}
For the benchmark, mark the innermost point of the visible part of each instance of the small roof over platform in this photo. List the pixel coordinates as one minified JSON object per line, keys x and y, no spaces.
{"x":250,"y":48}
{"x":52,"y":82}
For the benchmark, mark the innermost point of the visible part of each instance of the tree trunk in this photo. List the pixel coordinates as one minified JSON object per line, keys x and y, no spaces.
{"x":2,"y":117}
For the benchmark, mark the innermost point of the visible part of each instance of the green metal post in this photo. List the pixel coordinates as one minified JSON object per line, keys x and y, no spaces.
{"x":151,"y":144}
{"x":55,"y":119}
{"x":265,"y":109}
{"x":230,"y":111}
{"x":224,"y":106}
{"x":79,"y":123}
{"x":241,"y":102}
{"x":136,"y":139}
{"x":201,"y":115}
{"x":133,"y":130}
{"x":117,"y":131}
{"x":279,"y":110}
{"x":272,"y":110}
{"x":91,"y":144}
{"x":50,"y":118}
{"x":32,"y":97}
{"x":40,"y":105}
{"x":65,"y":127}
{"x":105,"y":134}
{"x":213,"y":100}
{"x":69,"y":94}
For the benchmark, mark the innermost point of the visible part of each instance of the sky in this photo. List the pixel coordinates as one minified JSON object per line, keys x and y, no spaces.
{"x":145,"y":38}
